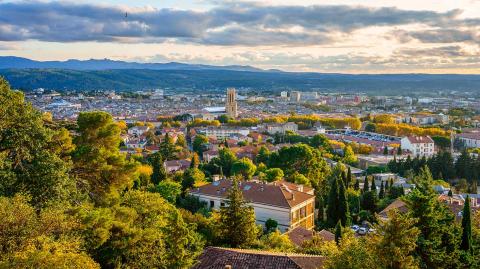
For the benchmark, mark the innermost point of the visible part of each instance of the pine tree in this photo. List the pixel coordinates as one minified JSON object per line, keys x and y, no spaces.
{"x":168,"y":148}
{"x":237,"y":219}
{"x":365,"y":185}
{"x":381,"y":195}
{"x":466,"y":244}
{"x":338,"y":232}
{"x":343,"y":210}
{"x":159,"y":173}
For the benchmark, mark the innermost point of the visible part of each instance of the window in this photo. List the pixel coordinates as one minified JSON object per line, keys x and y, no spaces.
{"x":212,"y":203}
{"x":222,"y":204}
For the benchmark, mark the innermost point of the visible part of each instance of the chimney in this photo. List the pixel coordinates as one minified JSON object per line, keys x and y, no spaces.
{"x":228,"y":266}
{"x":293,"y":197}
{"x":300,"y":188}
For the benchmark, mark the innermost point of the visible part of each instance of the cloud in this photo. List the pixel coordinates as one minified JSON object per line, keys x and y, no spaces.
{"x":228,"y":24}
{"x":438,"y":36}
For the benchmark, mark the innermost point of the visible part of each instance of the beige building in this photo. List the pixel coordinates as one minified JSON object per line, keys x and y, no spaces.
{"x":231,"y":103}
{"x":418,"y":145}
{"x":289,"y":204}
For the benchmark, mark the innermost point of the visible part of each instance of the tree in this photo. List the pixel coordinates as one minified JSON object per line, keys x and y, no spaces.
{"x":271,"y":225}
{"x":343,"y":208}
{"x":370,"y":127}
{"x":357,"y":185}
{"x":159,"y":173}
{"x":181,"y":141}
{"x":333,"y":203}
{"x":263,"y":155}
{"x":195,"y":160}
{"x":244,"y":167}
{"x":399,"y":150}
{"x":349,"y":177}
{"x":237,"y":219}
{"x":466,"y":244}
{"x":437,"y":244}
{"x":168,"y":148}
{"x":368,"y":201}
{"x":365,"y":185}
{"x":381,"y":195}
{"x":338,"y":231}
{"x":274,"y":174}
{"x":190,"y":177}
{"x":98,"y":164}
{"x":34,"y":159}
{"x":169,"y":190}
{"x":349,"y":156}
{"x":277,"y":242}
{"x":385,"y":150}
{"x":199,"y":143}
{"x":395,"y":241}
{"x":225,"y":160}
{"x":373,"y":187}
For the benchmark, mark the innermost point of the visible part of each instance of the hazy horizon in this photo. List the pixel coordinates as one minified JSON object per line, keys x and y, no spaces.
{"x":357,"y":37}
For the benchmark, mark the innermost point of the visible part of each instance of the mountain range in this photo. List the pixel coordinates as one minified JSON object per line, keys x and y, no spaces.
{"x":26,"y":74}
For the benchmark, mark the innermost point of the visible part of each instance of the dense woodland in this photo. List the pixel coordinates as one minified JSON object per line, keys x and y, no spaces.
{"x":70,"y":199}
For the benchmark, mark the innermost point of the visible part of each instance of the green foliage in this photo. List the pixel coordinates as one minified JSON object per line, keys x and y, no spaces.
{"x":199,"y":144}
{"x":271,"y":225}
{"x":244,"y":167}
{"x":337,"y":207}
{"x":169,"y":190}
{"x":437,"y":244}
{"x":466,"y":243}
{"x":33,"y":158}
{"x":237,"y":220}
{"x":277,"y":242}
{"x":190,"y":177}
{"x":273,"y":174}
{"x":168,"y":150}
{"x":156,"y":161}
{"x":101,"y":169}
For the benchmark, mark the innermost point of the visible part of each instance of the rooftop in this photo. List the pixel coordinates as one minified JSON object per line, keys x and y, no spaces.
{"x":219,"y":258}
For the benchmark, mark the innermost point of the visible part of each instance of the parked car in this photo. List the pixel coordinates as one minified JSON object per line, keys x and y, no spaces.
{"x":362,"y":231}
{"x":355,"y":228}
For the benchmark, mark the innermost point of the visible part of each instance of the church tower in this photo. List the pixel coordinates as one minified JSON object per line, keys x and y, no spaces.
{"x":231,"y":103}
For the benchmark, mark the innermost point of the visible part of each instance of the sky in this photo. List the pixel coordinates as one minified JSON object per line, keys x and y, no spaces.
{"x":345,"y":36}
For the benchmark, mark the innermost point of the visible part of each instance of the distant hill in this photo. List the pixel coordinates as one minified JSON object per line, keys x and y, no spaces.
{"x":12,"y":62}
{"x":124,"y":76}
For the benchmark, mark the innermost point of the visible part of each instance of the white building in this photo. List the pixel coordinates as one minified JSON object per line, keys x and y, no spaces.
{"x":418,"y":145}
{"x":222,"y":132}
{"x":295,"y":96}
{"x":157,"y":94}
{"x":138,"y":130}
{"x":289,"y":204}
{"x":470,"y":140}
{"x":282,"y":127}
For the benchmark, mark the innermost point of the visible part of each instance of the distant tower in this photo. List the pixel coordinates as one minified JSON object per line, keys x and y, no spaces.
{"x":231,"y":103}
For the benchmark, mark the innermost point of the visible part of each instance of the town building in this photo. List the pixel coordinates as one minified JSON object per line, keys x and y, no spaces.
{"x":229,"y":258}
{"x":470,"y":139}
{"x":418,"y":145}
{"x":289,"y":204}
{"x":176,"y":165}
{"x":282,"y":128}
{"x":221,"y":133}
{"x":138,"y":130}
{"x":295,"y":96}
{"x":231,"y":103}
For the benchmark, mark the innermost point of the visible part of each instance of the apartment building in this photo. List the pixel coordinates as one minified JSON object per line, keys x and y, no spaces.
{"x":289,"y":204}
{"x":418,"y":145}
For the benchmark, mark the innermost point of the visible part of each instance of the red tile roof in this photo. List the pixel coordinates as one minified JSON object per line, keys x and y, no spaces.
{"x":420,"y":139}
{"x":219,"y":258}
{"x":271,"y":194}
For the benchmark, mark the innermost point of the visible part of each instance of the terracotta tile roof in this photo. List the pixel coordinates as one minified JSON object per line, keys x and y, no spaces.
{"x":398,"y":204}
{"x":474,"y":136}
{"x":271,"y":194}
{"x":419,"y":139}
{"x":218,"y":258}
{"x":326,"y":235}
{"x":299,"y":235}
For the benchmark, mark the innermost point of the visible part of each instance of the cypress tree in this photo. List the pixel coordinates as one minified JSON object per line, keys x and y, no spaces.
{"x":344,"y":178}
{"x":466,"y":244}
{"x":333,"y":203}
{"x":391,"y":182}
{"x":343,"y":210}
{"x":399,"y":150}
{"x":381,"y":195}
{"x":338,"y":231}
{"x":385,"y":150}
{"x":365,"y":185}
{"x":195,"y":161}
{"x":450,"y":193}
{"x":357,"y":185}
{"x":373,"y":187}
{"x":349,"y":177}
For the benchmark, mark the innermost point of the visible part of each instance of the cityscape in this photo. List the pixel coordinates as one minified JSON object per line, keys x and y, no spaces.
{"x":225,"y":153}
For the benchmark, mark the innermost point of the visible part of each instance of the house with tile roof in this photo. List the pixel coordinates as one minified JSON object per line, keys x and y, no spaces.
{"x":291,"y":205}
{"x":222,"y":258}
{"x":418,"y":145}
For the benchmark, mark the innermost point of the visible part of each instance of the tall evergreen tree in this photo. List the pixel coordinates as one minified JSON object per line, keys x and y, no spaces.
{"x":343,"y":210}
{"x":381,"y":195}
{"x":365,"y":185}
{"x":237,"y":219}
{"x":466,"y":244}
{"x":333,"y":203}
{"x":168,"y":148}
{"x":159,"y":173}
{"x":373,"y":187}
{"x":349,"y":177}
{"x":195,"y":161}
{"x":357,"y":185}
{"x":338,"y":231}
